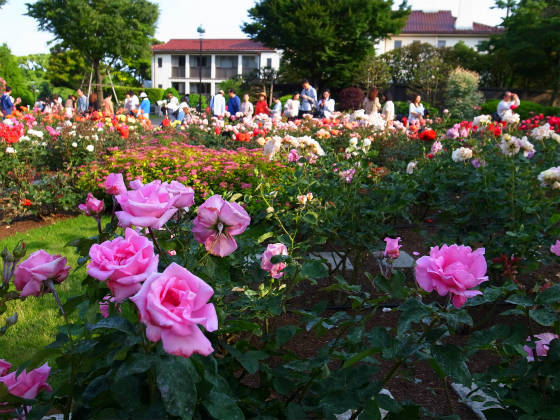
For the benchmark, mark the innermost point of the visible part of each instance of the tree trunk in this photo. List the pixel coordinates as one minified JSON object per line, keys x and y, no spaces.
{"x":97,"y":70}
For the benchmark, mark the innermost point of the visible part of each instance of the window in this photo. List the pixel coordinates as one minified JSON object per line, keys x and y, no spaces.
{"x":441,"y":43}
{"x":177,"y":66}
{"x":203,"y":88}
{"x":160,"y":63}
{"x":179,"y":87}
{"x":226,"y":66}
{"x":269,"y":63}
{"x":160,"y":86}
{"x":250,"y":64}
{"x":398,"y":44}
{"x":195,"y":62}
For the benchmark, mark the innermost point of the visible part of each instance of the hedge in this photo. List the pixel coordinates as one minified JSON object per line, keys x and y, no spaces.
{"x":524,"y":110}
{"x":154,"y":94}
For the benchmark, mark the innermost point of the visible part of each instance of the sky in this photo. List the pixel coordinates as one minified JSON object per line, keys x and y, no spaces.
{"x":220,"y":18}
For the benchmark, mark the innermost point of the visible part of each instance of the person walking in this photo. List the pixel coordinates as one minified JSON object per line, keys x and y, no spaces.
{"x":108,"y":109}
{"x":388,"y":112}
{"x":371,"y":102}
{"x":234,"y":103}
{"x":82,"y":103}
{"x":144,"y":108}
{"x":325,"y":107}
{"x":218,"y":104}
{"x":308,"y":97}
{"x":291,"y":108}
{"x":261,"y":107}
{"x":416,"y":109}
{"x":246,"y":106}
{"x":7,"y":103}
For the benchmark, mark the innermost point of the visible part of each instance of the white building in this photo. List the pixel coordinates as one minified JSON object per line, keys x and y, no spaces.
{"x":180,"y":63}
{"x":440,"y":29}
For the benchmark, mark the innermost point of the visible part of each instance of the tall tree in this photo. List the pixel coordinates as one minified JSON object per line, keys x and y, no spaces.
{"x":530,"y":44}
{"x":103,"y":31}
{"x":12,"y":74}
{"x":67,"y":68}
{"x":324,"y":41}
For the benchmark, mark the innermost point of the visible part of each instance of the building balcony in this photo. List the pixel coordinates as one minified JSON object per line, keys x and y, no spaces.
{"x":195,"y":72}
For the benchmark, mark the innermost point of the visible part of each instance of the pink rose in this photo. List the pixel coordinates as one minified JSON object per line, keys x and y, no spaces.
{"x":555,"y":248}
{"x":136,"y":184}
{"x":274,"y":269}
{"x":124,"y":263}
{"x":184,"y":195}
{"x":151,"y":205}
{"x":37,"y":268}
{"x":392,"y":247}
{"x":171,"y":304}
{"x":293,"y":156}
{"x":27,"y":385}
{"x":541,"y":345}
{"x":114,"y":184}
{"x":452,"y":269}
{"x":4,"y":367}
{"x":92,"y":205}
{"x":217,"y":222}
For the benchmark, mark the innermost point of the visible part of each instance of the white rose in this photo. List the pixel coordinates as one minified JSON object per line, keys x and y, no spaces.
{"x":74,"y":144}
{"x":10,"y":150}
{"x":410,"y":167}
{"x":367,"y":142}
{"x":461,"y":154}
{"x":353,"y":141}
{"x":90,"y":148}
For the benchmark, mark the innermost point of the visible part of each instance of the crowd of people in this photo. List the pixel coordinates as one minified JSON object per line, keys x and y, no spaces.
{"x":376,"y":105}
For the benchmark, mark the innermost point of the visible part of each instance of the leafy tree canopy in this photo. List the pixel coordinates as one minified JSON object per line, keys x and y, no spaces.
{"x":530,"y":44}
{"x":12,"y":74}
{"x":324,"y":41}
{"x":101,"y":30}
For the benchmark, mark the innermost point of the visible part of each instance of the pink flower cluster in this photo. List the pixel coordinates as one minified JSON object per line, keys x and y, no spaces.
{"x":452,"y":270}
{"x":272,"y":250}
{"x":26,"y":385}
{"x":541,"y":345}
{"x":217,"y":222}
{"x":40,"y":266}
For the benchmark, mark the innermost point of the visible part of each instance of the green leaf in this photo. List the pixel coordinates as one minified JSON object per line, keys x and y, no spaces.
{"x":222,"y":407}
{"x":412,"y":311}
{"x":451,"y":360}
{"x":264,"y":237}
{"x":521,"y":300}
{"x":550,"y":295}
{"x":315,"y":270}
{"x":285,"y":334}
{"x":114,"y":323}
{"x":241,"y":325}
{"x":295,"y":412}
{"x":543,"y":316}
{"x":137,"y":363}
{"x":388,"y":403}
{"x":359,"y":357}
{"x":250,"y":360}
{"x":176,"y":386}
{"x":311,"y":218}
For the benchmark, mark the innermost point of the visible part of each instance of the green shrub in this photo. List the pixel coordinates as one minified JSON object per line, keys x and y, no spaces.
{"x":170,"y":90}
{"x":154,"y":94}
{"x":193,"y":99}
{"x":524,"y":110}
{"x":462,"y":94}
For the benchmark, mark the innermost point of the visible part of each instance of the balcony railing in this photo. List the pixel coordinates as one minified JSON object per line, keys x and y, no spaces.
{"x":194,"y":72}
{"x":225,"y":73}
{"x":178,"y":72}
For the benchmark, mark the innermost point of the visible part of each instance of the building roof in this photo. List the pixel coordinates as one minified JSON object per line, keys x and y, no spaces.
{"x":442,"y":22}
{"x":217,"y":45}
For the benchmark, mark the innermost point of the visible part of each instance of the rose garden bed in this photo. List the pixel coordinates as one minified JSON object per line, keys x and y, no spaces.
{"x":282,"y":335}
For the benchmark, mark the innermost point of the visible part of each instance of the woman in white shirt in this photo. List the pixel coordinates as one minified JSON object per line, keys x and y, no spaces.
{"x":388,"y":112}
{"x":371,"y":103}
{"x":291,"y":109}
{"x":416,"y":109}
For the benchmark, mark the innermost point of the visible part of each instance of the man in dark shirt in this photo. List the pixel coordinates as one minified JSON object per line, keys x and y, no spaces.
{"x":234,"y":103}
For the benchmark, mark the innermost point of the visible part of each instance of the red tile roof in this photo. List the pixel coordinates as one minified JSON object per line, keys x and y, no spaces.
{"x":442,"y":22}
{"x":186,"y":45}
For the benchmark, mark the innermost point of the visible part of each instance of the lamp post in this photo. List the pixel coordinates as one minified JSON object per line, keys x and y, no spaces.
{"x":200,"y":31}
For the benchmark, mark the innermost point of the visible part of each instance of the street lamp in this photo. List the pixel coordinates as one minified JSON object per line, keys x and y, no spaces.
{"x":200,"y":31}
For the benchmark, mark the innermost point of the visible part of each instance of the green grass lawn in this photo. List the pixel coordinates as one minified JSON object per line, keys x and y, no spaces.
{"x":38,"y":317}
